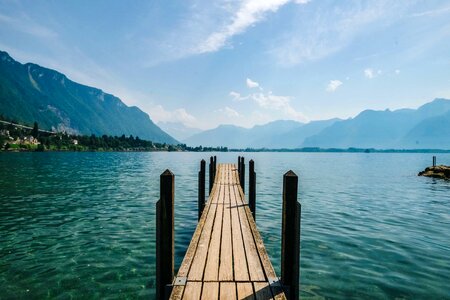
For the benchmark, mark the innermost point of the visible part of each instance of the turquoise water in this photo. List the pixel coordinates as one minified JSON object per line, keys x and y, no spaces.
{"x":82,"y":225}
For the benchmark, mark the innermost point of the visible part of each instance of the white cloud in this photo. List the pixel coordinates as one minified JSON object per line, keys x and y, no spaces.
{"x":229,"y":112}
{"x":248,"y":13}
{"x":235,"y":95}
{"x":432,"y":13}
{"x":369,"y":73}
{"x":159,"y":114}
{"x":271,"y":102}
{"x":252,"y":84}
{"x":206,"y":28}
{"x":333,"y":85}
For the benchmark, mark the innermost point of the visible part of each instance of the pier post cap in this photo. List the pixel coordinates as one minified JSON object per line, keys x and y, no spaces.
{"x":203,"y":161}
{"x":251,"y":161}
{"x":290,"y":173}
{"x":167,"y":172}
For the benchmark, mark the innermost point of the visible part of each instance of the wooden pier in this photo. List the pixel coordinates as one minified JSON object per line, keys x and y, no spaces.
{"x":226,"y":258}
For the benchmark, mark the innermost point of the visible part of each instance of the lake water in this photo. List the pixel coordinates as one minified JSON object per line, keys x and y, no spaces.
{"x":82,"y":225}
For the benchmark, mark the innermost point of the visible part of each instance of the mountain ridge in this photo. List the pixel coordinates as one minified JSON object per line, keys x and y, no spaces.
{"x":29,"y":92}
{"x":404,"y":128}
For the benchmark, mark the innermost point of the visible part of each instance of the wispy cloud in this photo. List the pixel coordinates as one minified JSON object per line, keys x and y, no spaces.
{"x":432,"y":13}
{"x":371,"y":73}
{"x":248,"y":13}
{"x":330,"y":29}
{"x":228,"y":112}
{"x":159,"y":114}
{"x":333,"y":85}
{"x":238,"y":97}
{"x":270,"y":101}
{"x":210,"y":28}
{"x":252,"y":84}
{"x":368,"y":73}
{"x":23,"y":23}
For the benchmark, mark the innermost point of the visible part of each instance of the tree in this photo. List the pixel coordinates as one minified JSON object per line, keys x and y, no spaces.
{"x":35,"y":131}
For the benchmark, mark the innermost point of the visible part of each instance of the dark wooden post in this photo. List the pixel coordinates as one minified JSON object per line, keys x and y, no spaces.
{"x":290,"y":238}
{"x":252,"y":187}
{"x":242,"y":175}
{"x":201,"y":187}
{"x":165,"y":235}
{"x":239,"y":166}
{"x":434,"y":161}
{"x":211,"y":173}
{"x":215,"y":167}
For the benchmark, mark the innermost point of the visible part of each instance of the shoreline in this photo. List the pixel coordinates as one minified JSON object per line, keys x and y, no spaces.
{"x":309,"y":150}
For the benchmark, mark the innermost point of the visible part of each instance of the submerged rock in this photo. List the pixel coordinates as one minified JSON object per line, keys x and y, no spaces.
{"x":441,"y":171}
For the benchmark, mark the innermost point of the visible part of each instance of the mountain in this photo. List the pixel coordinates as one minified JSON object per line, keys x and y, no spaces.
{"x":295,"y":137}
{"x":431,"y":133}
{"x":240,"y":137}
{"x":425,"y":127}
{"x":178,"y":130}
{"x":29,"y":93}
{"x":224,"y":135}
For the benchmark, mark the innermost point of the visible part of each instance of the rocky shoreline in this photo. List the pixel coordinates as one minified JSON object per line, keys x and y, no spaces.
{"x":441,"y":171}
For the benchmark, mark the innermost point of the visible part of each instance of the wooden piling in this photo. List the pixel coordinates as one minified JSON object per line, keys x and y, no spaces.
{"x":165,"y":235}
{"x":211,"y":173}
{"x":242,"y":174}
{"x":239,"y":165}
{"x":434,"y":161}
{"x":215,"y":167}
{"x":201,"y":187}
{"x":290,"y":243}
{"x":252,"y":188}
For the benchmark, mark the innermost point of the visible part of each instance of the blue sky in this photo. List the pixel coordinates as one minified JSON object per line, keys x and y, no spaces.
{"x":206,"y":63}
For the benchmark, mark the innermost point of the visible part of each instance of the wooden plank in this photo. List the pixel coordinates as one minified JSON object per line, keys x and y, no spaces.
{"x":267,"y":265}
{"x":226,"y":247}
{"x":262,"y":291}
{"x":245,"y":290}
{"x":189,"y":256}
{"x":226,"y":257}
{"x":210,"y":290}
{"x":192,"y":291}
{"x":240,"y":267}
{"x":254,"y":264}
{"x":212,"y":264}
{"x":227,"y":290}
{"x":199,"y":261}
{"x":177,"y":292}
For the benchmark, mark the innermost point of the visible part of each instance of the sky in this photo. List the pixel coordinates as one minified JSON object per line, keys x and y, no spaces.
{"x":247,"y":62}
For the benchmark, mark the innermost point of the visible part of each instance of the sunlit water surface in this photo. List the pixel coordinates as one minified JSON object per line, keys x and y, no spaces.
{"x":82,"y":225}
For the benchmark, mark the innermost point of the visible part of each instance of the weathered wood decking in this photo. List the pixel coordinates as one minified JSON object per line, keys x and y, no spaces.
{"x":226,"y":258}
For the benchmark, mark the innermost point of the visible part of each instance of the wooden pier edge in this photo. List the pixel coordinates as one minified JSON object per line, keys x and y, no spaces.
{"x":226,"y":257}
{"x":165,"y":235}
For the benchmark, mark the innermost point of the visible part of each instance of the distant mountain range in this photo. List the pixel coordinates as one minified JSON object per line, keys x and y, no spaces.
{"x":30,"y":93}
{"x":277,"y":134}
{"x":427,"y":127}
{"x":178,"y":130}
